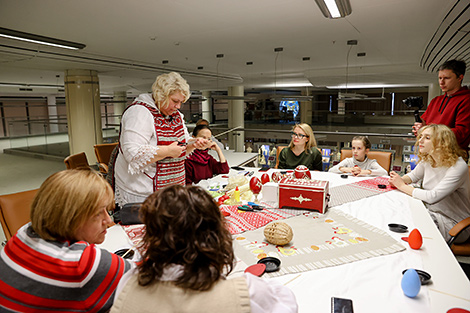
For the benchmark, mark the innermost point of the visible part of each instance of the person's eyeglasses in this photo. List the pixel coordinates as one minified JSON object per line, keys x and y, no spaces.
{"x":300,"y":136}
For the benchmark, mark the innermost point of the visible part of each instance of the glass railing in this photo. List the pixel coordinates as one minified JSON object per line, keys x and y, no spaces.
{"x":50,"y":137}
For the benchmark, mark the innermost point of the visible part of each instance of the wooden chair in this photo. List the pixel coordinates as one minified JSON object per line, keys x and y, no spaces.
{"x":461,"y":249}
{"x":383,"y":158}
{"x":103,"y":155}
{"x":78,"y":160}
{"x":278,"y":150}
{"x":15,"y":211}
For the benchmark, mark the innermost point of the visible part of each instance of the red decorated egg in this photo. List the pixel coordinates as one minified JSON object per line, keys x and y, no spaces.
{"x":276,"y":177}
{"x":255,"y":185}
{"x":302,"y":172}
{"x":415,"y":239}
{"x":265,"y":178}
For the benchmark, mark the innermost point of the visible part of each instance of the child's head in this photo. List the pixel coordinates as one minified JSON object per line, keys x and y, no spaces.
{"x":184,"y":227}
{"x":202,"y":131}
{"x":360,"y":147}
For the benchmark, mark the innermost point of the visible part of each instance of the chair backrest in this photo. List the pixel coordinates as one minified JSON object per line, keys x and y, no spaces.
{"x":78,"y":160}
{"x":15,"y":211}
{"x":103,"y":152}
{"x":278,"y":150}
{"x":383,"y":158}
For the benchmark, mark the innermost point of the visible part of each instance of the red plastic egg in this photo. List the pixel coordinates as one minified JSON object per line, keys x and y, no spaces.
{"x":255,"y":185}
{"x":302,"y":172}
{"x":276,"y":177}
{"x":265,"y":178}
{"x":415,"y":239}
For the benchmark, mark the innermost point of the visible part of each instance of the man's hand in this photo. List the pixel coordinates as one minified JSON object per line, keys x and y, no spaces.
{"x":416,"y":127}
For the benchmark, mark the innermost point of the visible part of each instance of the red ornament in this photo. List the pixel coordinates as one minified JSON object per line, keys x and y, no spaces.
{"x":265,"y":178}
{"x":415,"y":239}
{"x":276,"y":177}
{"x":255,"y":185}
{"x":302,"y":172}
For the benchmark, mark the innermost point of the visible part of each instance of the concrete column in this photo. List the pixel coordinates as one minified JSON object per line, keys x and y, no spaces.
{"x":52,"y":113}
{"x":306,"y":108}
{"x":433,"y":91}
{"x":82,"y":98}
{"x":236,"y":117}
{"x":120,"y":102}
{"x":207,"y":106}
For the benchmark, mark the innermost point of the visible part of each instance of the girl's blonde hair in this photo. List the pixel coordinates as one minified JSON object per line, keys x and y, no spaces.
{"x":444,"y":145}
{"x":167,"y":84}
{"x":311,"y":142}
{"x":66,"y":200}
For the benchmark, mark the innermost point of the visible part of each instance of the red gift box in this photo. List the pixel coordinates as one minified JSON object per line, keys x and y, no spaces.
{"x":304,"y":194}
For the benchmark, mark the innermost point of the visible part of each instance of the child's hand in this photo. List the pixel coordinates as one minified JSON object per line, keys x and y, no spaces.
{"x":356,"y":170}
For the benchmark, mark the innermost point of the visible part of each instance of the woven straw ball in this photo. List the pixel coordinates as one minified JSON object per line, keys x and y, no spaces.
{"x":278,"y":233}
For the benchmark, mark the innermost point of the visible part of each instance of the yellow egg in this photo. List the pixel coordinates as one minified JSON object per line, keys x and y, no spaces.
{"x":278,"y":233}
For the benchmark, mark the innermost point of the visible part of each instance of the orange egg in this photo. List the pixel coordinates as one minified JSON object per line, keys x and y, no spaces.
{"x":415,"y":239}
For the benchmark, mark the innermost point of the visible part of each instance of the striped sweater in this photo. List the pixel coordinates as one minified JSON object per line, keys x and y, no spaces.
{"x":48,"y":276}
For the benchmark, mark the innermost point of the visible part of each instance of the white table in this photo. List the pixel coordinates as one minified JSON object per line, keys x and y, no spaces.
{"x":374,"y":284}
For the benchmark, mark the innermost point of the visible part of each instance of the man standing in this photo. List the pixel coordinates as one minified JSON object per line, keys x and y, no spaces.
{"x":453,"y":107}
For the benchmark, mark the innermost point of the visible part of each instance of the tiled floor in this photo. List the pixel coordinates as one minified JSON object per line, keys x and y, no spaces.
{"x":20,"y":173}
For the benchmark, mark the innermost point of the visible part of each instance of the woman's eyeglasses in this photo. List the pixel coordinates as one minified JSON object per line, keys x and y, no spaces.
{"x":300,"y":136}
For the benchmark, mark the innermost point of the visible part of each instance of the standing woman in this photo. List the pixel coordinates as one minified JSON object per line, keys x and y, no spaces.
{"x":445,"y":180}
{"x":153,"y":141}
{"x":302,"y":150}
{"x":52,"y":263}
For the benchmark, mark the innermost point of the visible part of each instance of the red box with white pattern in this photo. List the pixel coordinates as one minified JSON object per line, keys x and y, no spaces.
{"x":304,"y":194}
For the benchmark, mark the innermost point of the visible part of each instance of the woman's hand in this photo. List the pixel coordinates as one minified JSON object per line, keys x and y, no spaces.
{"x":401,"y":183}
{"x":174,"y":150}
{"x":197,"y":143}
{"x":214,"y":146}
{"x":396,"y":180}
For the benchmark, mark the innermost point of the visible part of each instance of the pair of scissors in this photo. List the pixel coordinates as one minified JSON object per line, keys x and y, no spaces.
{"x":248,"y":208}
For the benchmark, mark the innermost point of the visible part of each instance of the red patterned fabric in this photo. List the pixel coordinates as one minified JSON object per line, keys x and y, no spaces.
{"x":373,"y":184}
{"x":240,"y":221}
{"x":134,"y":232}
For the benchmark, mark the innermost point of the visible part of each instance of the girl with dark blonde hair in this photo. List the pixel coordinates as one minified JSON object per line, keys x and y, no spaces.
{"x":445,"y":186}
{"x":186,"y":253}
{"x":302,"y":150}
